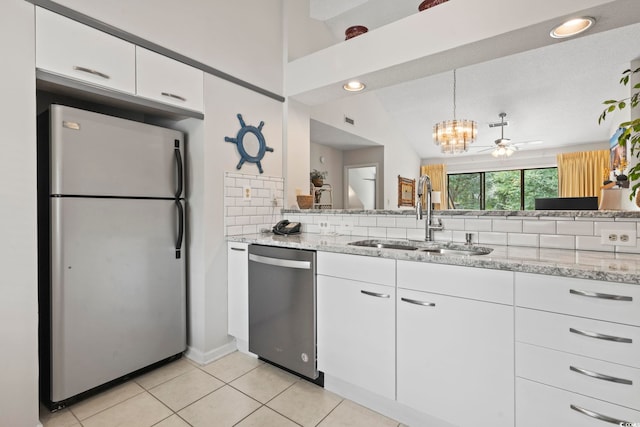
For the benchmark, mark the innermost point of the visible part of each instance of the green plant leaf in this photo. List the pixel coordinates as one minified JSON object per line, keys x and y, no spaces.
{"x":610,"y":101}
{"x":611,"y":109}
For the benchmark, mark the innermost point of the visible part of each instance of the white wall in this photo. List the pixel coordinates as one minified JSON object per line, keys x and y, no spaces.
{"x":18,"y":252}
{"x":305,"y":34}
{"x":241,"y":37}
{"x":211,"y":156}
{"x":373,"y":123}
{"x":333,"y":164}
{"x":297,"y":154}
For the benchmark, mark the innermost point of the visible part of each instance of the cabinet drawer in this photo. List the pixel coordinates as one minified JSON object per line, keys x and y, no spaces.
{"x":75,"y":50}
{"x":363,"y":268}
{"x":466,"y":282}
{"x":555,"y":331}
{"x":539,"y":405}
{"x":166,"y":80}
{"x":616,"y":302}
{"x":591,"y":377}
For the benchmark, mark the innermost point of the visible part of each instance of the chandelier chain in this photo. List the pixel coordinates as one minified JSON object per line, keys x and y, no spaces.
{"x":454,"y":94}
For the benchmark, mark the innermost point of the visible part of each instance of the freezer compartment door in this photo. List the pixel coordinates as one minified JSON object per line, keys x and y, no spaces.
{"x":118,"y":290}
{"x":98,"y":155}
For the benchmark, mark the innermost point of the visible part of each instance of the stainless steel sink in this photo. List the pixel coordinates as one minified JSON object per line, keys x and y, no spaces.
{"x":385,"y":244}
{"x":461,"y":251}
{"x":432,"y":248}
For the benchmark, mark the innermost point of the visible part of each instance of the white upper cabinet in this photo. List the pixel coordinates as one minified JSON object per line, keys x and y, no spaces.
{"x":74,"y":50}
{"x":165,"y":80}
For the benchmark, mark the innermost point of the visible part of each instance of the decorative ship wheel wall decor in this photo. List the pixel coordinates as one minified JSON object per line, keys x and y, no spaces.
{"x":239,"y":141}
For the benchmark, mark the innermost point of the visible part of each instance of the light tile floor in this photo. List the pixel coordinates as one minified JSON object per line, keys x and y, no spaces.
{"x":236,"y":390}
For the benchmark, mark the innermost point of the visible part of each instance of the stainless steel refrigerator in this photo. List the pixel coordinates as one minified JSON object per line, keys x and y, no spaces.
{"x":112,"y":295}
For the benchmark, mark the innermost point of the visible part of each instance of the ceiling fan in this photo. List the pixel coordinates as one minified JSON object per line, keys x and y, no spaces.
{"x":503,"y":146}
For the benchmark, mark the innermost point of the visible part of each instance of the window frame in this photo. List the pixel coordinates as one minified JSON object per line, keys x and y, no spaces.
{"x":483,"y":183}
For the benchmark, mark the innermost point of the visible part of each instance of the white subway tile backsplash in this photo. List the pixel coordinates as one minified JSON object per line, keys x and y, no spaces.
{"x":415,"y":234}
{"x":617,"y":226}
{"x":491,"y":238}
{"x":256,"y":183}
{"x":576,"y":228}
{"x":243,"y":220}
{"x":396,"y":233}
{"x":409,"y":222}
{"x":234,"y":230}
{"x":533,"y":226}
{"x":442,"y":236}
{"x":461,"y":237}
{"x":249,"y":229}
{"x":556,"y":241}
{"x":505,"y":226}
{"x":477,"y":224}
{"x":522,"y":239}
{"x":367,"y":221}
{"x":241,"y":182}
{"x":453,"y":223}
{"x":233,"y":192}
{"x":387,"y":221}
{"x":377,"y":232}
{"x":359,"y":231}
{"x":589,"y":243}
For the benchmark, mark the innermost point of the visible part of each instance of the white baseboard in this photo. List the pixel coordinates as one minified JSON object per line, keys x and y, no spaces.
{"x":204,"y":358}
{"x":382,"y":405}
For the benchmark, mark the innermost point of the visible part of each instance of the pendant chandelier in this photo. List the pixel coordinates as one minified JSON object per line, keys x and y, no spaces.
{"x":455,"y":136}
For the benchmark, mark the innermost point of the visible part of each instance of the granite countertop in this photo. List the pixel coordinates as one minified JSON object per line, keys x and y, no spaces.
{"x":476,"y":213}
{"x":604,"y":266}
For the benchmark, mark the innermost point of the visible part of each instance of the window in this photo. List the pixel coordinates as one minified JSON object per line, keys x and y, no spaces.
{"x":502,"y":190}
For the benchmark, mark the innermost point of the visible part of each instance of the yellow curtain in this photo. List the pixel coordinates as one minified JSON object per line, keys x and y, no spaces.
{"x":581,"y":174}
{"x":438,"y":175}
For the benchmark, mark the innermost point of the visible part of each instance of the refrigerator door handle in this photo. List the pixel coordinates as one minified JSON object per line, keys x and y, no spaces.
{"x":180,"y":228}
{"x":178,"y":157}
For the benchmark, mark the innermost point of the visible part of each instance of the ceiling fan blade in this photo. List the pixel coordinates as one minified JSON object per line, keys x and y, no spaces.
{"x":533,"y":142}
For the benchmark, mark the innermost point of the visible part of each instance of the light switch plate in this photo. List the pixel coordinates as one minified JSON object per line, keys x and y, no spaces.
{"x":246,"y":192}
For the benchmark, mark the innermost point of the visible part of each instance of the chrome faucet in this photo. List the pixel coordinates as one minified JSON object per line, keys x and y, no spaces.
{"x":429,"y":226}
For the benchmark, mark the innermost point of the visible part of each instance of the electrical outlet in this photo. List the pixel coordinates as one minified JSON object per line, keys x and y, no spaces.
{"x":618,"y":238}
{"x":324,"y":227}
{"x":246,"y":192}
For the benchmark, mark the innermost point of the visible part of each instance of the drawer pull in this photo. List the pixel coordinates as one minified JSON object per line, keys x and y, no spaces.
{"x":598,"y":416}
{"x":90,"y":71}
{"x":600,"y":336}
{"x":600,"y":296}
{"x":600,"y":376}
{"x":375,"y":294}
{"x":417,"y":302}
{"x":237,"y":249}
{"x":174,"y":96}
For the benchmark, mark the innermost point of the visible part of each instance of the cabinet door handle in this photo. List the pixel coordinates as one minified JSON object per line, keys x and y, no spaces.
{"x":417,"y":302}
{"x":90,"y":71}
{"x":600,"y":296}
{"x":375,"y":294}
{"x":174,"y":96}
{"x":600,"y":336}
{"x":238,"y":249}
{"x":598,"y":416}
{"x":600,"y":376}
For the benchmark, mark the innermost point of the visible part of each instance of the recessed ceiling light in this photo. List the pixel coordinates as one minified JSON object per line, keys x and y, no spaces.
{"x":572,"y":27}
{"x":353,"y":86}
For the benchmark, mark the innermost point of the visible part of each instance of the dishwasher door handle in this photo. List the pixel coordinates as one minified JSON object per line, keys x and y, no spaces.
{"x":277,"y":262}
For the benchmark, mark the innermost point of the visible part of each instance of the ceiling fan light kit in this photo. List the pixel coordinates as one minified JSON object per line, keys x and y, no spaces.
{"x":455,"y":136}
{"x":503,"y":145}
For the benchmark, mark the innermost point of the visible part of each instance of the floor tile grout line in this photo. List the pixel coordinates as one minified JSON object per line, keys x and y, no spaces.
{"x":135,"y":379}
{"x":109,"y":407}
{"x":331,"y":411}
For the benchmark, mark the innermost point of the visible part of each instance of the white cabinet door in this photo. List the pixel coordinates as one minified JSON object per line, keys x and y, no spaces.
{"x":456,"y":358}
{"x":238,"y":292}
{"x":75,"y":50}
{"x":356,"y":333}
{"x":169,"y":81}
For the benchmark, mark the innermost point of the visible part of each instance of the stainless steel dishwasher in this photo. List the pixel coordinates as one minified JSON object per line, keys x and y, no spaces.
{"x":282,"y":307}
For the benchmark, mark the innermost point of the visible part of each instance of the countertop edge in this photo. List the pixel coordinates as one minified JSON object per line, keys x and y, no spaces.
{"x":609,"y":269}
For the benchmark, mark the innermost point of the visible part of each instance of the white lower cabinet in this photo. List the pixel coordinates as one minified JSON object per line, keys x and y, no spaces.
{"x":540,"y":405}
{"x":576,"y":352}
{"x":238,"y":292}
{"x":356,"y":325}
{"x":455,"y":358}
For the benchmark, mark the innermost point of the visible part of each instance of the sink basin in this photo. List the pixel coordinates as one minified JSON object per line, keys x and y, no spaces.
{"x":385,"y":244}
{"x":457,"y":251}
{"x":432,"y":248}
